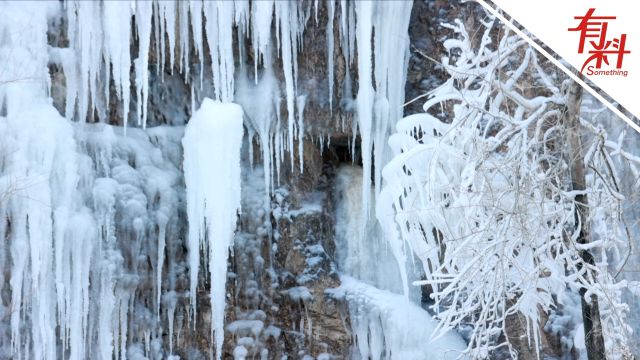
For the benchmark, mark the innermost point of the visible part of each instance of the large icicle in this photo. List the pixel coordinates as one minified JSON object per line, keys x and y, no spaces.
{"x":391,"y":54}
{"x":117,"y":30}
{"x":212,"y":179}
{"x":144,"y":12}
{"x":288,"y":34}
{"x":330,"y":45}
{"x":364,"y":31}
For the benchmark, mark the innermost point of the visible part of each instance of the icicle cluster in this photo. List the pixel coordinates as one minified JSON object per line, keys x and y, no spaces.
{"x":65,"y":242}
{"x":79,"y":204}
{"x":101,"y":55}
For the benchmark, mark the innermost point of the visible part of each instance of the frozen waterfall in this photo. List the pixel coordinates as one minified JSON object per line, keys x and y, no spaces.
{"x":110,"y":224}
{"x":370,"y":283}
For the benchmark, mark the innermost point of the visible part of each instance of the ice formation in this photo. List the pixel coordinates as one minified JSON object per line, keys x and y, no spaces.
{"x":95,"y":198}
{"x":212,"y":179}
{"x":100,"y":46}
{"x":378,"y":309}
{"x":380,"y":328}
{"x":364,"y":256}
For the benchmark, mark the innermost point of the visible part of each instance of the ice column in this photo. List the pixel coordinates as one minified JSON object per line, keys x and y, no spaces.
{"x":212,"y":143}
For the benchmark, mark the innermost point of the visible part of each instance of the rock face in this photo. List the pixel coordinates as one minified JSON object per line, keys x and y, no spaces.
{"x":281,"y":266}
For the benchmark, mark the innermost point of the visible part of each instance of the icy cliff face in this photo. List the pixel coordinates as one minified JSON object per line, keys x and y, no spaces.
{"x":121,"y":239}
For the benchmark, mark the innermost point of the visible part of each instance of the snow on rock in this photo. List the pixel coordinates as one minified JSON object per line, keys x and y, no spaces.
{"x":299,"y":294}
{"x":212,"y":179}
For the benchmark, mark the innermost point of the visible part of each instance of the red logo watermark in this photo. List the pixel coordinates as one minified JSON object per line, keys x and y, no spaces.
{"x":593,"y":35}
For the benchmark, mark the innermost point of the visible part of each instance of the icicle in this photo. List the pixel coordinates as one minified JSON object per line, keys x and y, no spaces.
{"x":301,"y":100}
{"x":242,"y":15}
{"x":195,"y":10}
{"x":162,"y":230}
{"x":365,"y":95}
{"x":80,"y":238}
{"x":212,"y":30}
{"x":225,"y":45}
{"x":86,"y":36}
{"x":259,"y":103}
{"x":351,"y":34}
{"x":117,"y":27}
{"x":261,"y":19}
{"x":124,"y":304}
{"x":170,"y":300}
{"x":144,"y":12}
{"x":284,"y":20}
{"x":250,"y":135}
{"x":212,"y":179}
{"x":391,"y":61}
{"x":158,"y":39}
{"x":331,"y":7}
{"x":278,"y":143}
{"x":183,"y":13}
{"x":168,"y":13}
{"x":219,"y":29}
{"x":106,"y":311}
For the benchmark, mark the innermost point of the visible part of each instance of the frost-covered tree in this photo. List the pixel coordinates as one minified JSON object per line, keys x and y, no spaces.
{"x":509,"y":200}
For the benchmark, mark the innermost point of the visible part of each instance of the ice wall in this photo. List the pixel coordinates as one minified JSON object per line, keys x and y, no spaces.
{"x":80,"y":204}
{"x":89,"y":202}
{"x":376,"y":31}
